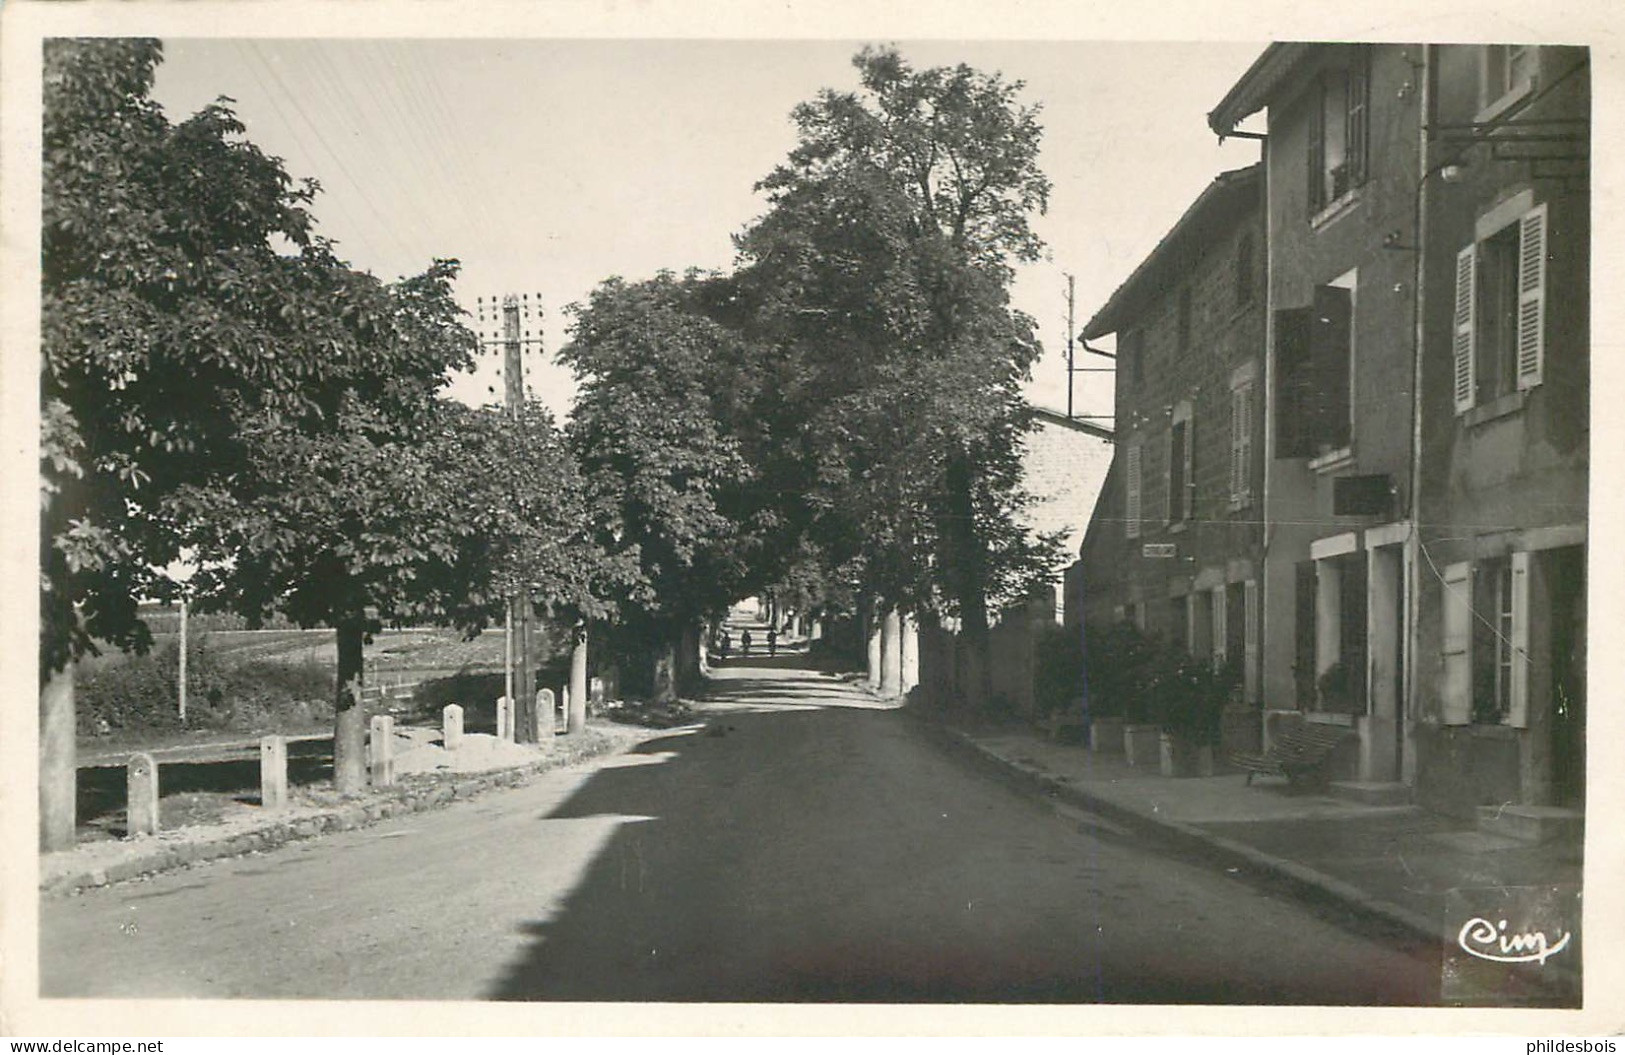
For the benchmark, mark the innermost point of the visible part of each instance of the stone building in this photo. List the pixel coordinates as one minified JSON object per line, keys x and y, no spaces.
{"x":1427,"y":381}
{"x":1175,"y":542}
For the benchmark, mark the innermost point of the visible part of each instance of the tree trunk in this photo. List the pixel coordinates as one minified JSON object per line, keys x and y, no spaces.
{"x":526,"y":730}
{"x":349,"y":716}
{"x":58,"y":762}
{"x":970,"y":574}
{"x":688,"y":658}
{"x":576,"y":720}
{"x":663,"y":681}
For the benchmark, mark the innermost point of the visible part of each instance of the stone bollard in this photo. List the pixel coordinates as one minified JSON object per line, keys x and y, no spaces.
{"x":547,"y":718}
{"x":596,"y":693}
{"x":383,"y":751}
{"x":141,"y":787}
{"x":273,"y":773}
{"x":504,"y":718}
{"x":564,"y":705}
{"x":451,"y":727}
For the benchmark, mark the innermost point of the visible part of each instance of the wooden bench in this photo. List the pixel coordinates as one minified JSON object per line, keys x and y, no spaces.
{"x":1058,"y":722}
{"x":1298,"y":753}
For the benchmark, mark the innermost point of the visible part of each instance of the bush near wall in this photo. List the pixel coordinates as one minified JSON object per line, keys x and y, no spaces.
{"x":1057,"y":669}
{"x":136,"y":693}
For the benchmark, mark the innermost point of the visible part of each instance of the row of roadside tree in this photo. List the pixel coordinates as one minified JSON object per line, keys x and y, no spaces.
{"x":837,"y":419}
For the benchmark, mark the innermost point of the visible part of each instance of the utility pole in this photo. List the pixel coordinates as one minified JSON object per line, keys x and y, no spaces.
{"x":1070,"y":369}
{"x":511,"y":321}
{"x":1071,"y":365}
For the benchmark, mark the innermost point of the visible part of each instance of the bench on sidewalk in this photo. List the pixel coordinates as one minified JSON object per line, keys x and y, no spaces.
{"x":1299,"y":753}
{"x":1058,"y":722}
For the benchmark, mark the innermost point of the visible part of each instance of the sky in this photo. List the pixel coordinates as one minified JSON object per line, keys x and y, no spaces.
{"x":548,"y":165}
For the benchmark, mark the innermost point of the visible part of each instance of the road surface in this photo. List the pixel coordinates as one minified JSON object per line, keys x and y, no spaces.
{"x":808,"y":845}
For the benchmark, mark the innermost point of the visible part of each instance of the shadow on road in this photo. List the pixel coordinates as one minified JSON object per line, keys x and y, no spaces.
{"x":804,"y":847}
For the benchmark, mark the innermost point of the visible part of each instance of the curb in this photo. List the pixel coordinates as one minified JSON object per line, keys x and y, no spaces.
{"x":403,"y":798}
{"x":1301,"y":877}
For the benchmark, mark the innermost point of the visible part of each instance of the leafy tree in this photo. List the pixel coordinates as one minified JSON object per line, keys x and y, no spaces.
{"x":166,"y":314}
{"x":882,"y":267}
{"x":653,"y":425}
{"x":207,"y":356}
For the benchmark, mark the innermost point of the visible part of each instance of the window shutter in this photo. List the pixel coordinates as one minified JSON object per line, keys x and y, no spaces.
{"x":1457,"y":608}
{"x":1131,"y":504}
{"x":1249,"y":637}
{"x":1317,"y":147}
{"x":1187,"y":472}
{"x":1531,"y":296}
{"x":1461,"y":346}
{"x":1246,"y":444}
{"x":1519,"y":716}
{"x":1220,"y":630}
{"x":1294,"y":387}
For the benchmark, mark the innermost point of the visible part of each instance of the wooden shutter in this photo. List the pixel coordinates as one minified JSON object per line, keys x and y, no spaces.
{"x":1531,"y":296}
{"x":1241,"y":444}
{"x":1462,"y":343}
{"x":1294,"y":388}
{"x":1249,"y":637}
{"x":1456,"y":695}
{"x":1317,"y":146}
{"x":1220,"y":628}
{"x":1131,"y":502}
{"x":1518,"y":715}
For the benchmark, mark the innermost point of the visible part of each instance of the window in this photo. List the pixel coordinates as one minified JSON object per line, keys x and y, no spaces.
{"x":1129,"y":347}
{"x":1486,"y":641}
{"x":1184,"y":320}
{"x":1338,"y":131}
{"x":1241,"y":442}
{"x":1131,"y":492}
{"x":1499,"y":319}
{"x":1507,"y":72}
{"x":1181,"y":466}
{"x":1314,"y":356}
{"x":1244,"y":271}
{"x":1492,"y":642}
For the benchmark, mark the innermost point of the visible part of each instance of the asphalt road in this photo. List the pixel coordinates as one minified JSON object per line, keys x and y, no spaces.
{"x":808,"y":845}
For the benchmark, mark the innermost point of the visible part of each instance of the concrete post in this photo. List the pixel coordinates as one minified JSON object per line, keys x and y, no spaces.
{"x":273,"y":773}
{"x":576,"y":712}
{"x":547,"y":715}
{"x":451,"y":727}
{"x":595,"y":692}
{"x":891,"y":666}
{"x":873,"y":630}
{"x":910,"y":643}
{"x":382,"y":750}
{"x":504,"y":719}
{"x":141,"y":787}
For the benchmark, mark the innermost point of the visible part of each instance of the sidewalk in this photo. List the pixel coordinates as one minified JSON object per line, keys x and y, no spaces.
{"x":1398,"y":864}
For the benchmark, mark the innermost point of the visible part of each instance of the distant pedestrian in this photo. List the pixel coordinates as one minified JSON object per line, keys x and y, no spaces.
{"x":723,"y":644}
{"x":744,"y":643}
{"x":772,"y":642}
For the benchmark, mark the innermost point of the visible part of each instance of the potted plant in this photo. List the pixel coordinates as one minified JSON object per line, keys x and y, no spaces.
{"x":1115,"y":656}
{"x":1339,"y":690}
{"x":1191,"y":697}
{"x":1155,"y":674}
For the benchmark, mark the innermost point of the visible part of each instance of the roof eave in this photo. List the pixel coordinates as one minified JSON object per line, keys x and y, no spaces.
{"x":1107,"y":319}
{"x":1252,"y":92}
